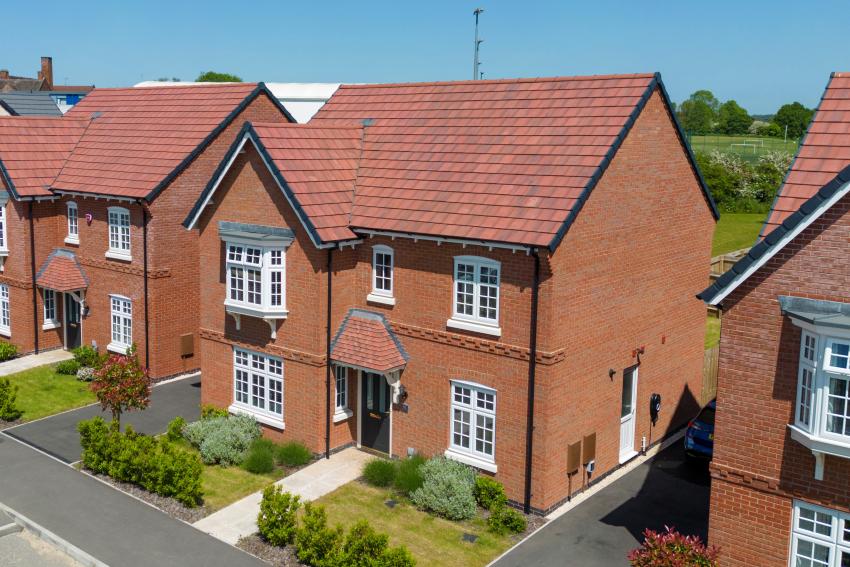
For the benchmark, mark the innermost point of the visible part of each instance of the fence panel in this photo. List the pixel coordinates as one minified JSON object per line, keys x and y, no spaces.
{"x":709,"y":374}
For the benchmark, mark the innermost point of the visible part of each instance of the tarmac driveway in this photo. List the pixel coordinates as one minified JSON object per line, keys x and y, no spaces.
{"x":604,"y":528}
{"x":57,"y":435}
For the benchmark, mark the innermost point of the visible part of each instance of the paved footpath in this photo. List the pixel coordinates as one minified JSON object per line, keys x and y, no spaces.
{"x":110,"y":525}
{"x":33,"y":360}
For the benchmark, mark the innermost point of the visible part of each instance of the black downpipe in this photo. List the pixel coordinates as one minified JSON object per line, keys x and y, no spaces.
{"x":32,"y":273}
{"x":145,"y":259}
{"x":328,"y":362}
{"x":532,"y":368}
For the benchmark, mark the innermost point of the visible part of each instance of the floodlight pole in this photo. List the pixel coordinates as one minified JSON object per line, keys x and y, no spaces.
{"x":475,"y":75}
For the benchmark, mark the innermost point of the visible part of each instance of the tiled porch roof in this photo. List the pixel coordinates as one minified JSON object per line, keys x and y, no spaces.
{"x":365,"y":340}
{"x":62,"y":272}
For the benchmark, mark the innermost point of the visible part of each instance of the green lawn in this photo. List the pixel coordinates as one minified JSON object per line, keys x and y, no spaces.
{"x":712,"y":331}
{"x":748,"y":147}
{"x":735,"y":231}
{"x":42,"y":392}
{"x":431,"y":540}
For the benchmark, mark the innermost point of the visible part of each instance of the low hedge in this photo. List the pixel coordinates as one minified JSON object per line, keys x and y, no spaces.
{"x":149,"y":462}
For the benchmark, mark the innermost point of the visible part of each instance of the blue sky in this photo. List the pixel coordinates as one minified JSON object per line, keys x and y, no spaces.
{"x":760,"y":53}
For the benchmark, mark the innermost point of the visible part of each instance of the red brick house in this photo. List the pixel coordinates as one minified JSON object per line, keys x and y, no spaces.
{"x":92,"y":248}
{"x":781,"y":469}
{"x":477,"y":269}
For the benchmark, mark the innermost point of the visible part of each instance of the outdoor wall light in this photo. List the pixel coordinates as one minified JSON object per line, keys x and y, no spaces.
{"x":611,"y":373}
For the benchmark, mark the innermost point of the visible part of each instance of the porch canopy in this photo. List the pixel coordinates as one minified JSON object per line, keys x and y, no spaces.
{"x":365,"y":341}
{"x":62,"y":272}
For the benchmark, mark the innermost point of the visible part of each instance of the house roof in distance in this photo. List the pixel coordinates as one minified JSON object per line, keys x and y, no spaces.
{"x":37,"y":103}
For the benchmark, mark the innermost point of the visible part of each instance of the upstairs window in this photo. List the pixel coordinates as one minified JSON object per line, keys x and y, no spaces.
{"x":255,"y":277}
{"x":823,"y":386}
{"x":73,"y":224}
{"x":476,"y":295}
{"x":119,"y":233}
{"x":4,"y":244}
{"x":382,"y":275}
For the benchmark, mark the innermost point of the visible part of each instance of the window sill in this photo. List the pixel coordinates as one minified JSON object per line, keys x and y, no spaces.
{"x":4,"y":252}
{"x":260,"y":417}
{"x":6,"y":333}
{"x":476,"y":462}
{"x":123,"y":256}
{"x":117,"y":348}
{"x":258,"y":312}
{"x":382,"y":299}
{"x":51,"y":325}
{"x":484,"y":329}
{"x":72,"y":240}
{"x":342,"y":415}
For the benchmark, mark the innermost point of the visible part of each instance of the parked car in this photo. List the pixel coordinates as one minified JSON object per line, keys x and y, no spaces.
{"x":699,"y":437}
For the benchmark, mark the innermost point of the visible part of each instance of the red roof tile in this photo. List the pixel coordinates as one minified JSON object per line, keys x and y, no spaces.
{"x":825,"y":152}
{"x":365,"y":340}
{"x":62,"y":272}
{"x":502,"y":160}
{"x":33,"y":150}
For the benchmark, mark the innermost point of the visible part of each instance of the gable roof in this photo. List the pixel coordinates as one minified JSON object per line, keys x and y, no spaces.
{"x":141,"y":138}
{"x":778,"y":238}
{"x":824,"y":151}
{"x":34,"y":149}
{"x":30,"y":104}
{"x":365,"y":340}
{"x":504,"y":161}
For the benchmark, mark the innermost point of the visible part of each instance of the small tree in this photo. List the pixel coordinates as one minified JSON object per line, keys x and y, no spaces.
{"x":122,"y":384}
{"x":670,"y":549}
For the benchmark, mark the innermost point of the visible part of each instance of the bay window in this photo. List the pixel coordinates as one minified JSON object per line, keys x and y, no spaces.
{"x":475,"y":302}
{"x":255,"y":278}
{"x":258,"y":386}
{"x":472,"y":437}
{"x":820,"y":537}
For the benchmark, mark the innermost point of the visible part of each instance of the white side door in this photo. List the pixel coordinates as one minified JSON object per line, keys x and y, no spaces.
{"x":627,"y":414}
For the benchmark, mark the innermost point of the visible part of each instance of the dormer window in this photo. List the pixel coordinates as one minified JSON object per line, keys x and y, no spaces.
{"x":382,"y":275}
{"x":73,"y":236}
{"x":119,"y":234}
{"x":475,"y":302}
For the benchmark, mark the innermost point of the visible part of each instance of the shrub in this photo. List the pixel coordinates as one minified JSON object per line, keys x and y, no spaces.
{"x":7,"y":351}
{"x":672,"y":548}
{"x":379,"y":472}
{"x":276,"y":521}
{"x":488,"y":492}
{"x":223,"y":440}
{"x":260,"y":457}
{"x":153,"y":464}
{"x":408,"y":476}
{"x":365,"y":547}
{"x":85,"y":374}
{"x":175,"y":429}
{"x":8,"y":396}
{"x":122,"y":384}
{"x":87,"y":356}
{"x":68,"y":367}
{"x":315,"y":541}
{"x":504,"y":519}
{"x":396,"y":557}
{"x":208,"y":411}
{"x":293,"y":454}
{"x":447,"y":489}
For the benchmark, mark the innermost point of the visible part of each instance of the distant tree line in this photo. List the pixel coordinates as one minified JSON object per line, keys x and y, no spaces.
{"x":703,"y":113}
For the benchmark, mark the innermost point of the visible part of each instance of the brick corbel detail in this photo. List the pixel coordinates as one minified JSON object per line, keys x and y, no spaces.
{"x":474,"y":343}
{"x":274,"y":350}
{"x":117,"y":266}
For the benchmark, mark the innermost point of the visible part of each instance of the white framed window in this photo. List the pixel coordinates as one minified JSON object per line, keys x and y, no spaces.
{"x":73,"y":236}
{"x":823,"y":387}
{"x":4,"y":243}
{"x":820,"y":537}
{"x":473,"y":423}
{"x":5,"y":311}
{"x":475,"y":301}
{"x":122,"y":324}
{"x":258,"y":386}
{"x":51,"y":321}
{"x":341,"y":375}
{"x":119,"y":233}
{"x":256,"y":277}
{"x":382,"y":275}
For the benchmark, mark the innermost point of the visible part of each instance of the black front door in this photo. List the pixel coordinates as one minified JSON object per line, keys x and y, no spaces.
{"x":375,"y":409}
{"x":73,"y":327}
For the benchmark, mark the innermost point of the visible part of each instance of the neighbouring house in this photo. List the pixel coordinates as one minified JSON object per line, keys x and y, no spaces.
{"x":37,"y":103}
{"x":91,"y":243}
{"x":780,"y":491}
{"x":301,"y":100}
{"x":498,"y":271}
{"x":64,"y":96}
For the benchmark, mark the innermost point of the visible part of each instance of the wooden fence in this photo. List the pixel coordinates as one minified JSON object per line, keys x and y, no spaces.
{"x":709,"y":374}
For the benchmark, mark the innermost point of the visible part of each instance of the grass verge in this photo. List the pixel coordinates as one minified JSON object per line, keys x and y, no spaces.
{"x":712,"y":331}
{"x":735,"y":231}
{"x":42,"y":392}
{"x":431,"y":540}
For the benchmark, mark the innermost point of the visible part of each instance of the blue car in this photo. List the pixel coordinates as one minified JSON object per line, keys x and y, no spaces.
{"x":699,"y":437}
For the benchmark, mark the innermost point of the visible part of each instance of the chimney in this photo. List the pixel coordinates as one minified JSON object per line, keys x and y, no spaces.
{"x":4,"y":73}
{"x":46,"y":72}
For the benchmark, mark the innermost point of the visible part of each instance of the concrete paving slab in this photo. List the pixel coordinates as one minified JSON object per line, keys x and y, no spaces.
{"x":313,"y":481}
{"x":57,"y":435}
{"x":33,"y":360}
{"x":23,"y":549}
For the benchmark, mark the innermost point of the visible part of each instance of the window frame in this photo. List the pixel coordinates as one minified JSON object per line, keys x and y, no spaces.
{"x":267,"y":253}
{"x":262,"y":414}
{"x":823,"y":371}
{"x":125,"y":322}
{"x":474,"y":322}
{"x":72,"y":223}
{"x":46,"y":306}
{"x":4,"y":229}
{"x":119,"y":253}
{"x":5,"y":311}
{"x":471,"y":455}
{"x":839,"y":522}
{"x":342,"y":375}
{"x":377,"y":295}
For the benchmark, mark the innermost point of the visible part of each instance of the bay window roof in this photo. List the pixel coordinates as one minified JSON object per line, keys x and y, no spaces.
{"x":829,"y":314}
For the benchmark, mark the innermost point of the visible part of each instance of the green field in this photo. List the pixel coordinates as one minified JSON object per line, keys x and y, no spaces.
{"x":748,"y":147}
{"x":735,"y":231}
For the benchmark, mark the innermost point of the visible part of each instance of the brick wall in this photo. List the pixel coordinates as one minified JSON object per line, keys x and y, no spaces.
{"x":757,"y":380}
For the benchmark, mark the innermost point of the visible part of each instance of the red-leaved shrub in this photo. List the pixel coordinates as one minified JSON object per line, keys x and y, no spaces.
{"x":122,"y":384}
{"x":672,"y":549}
